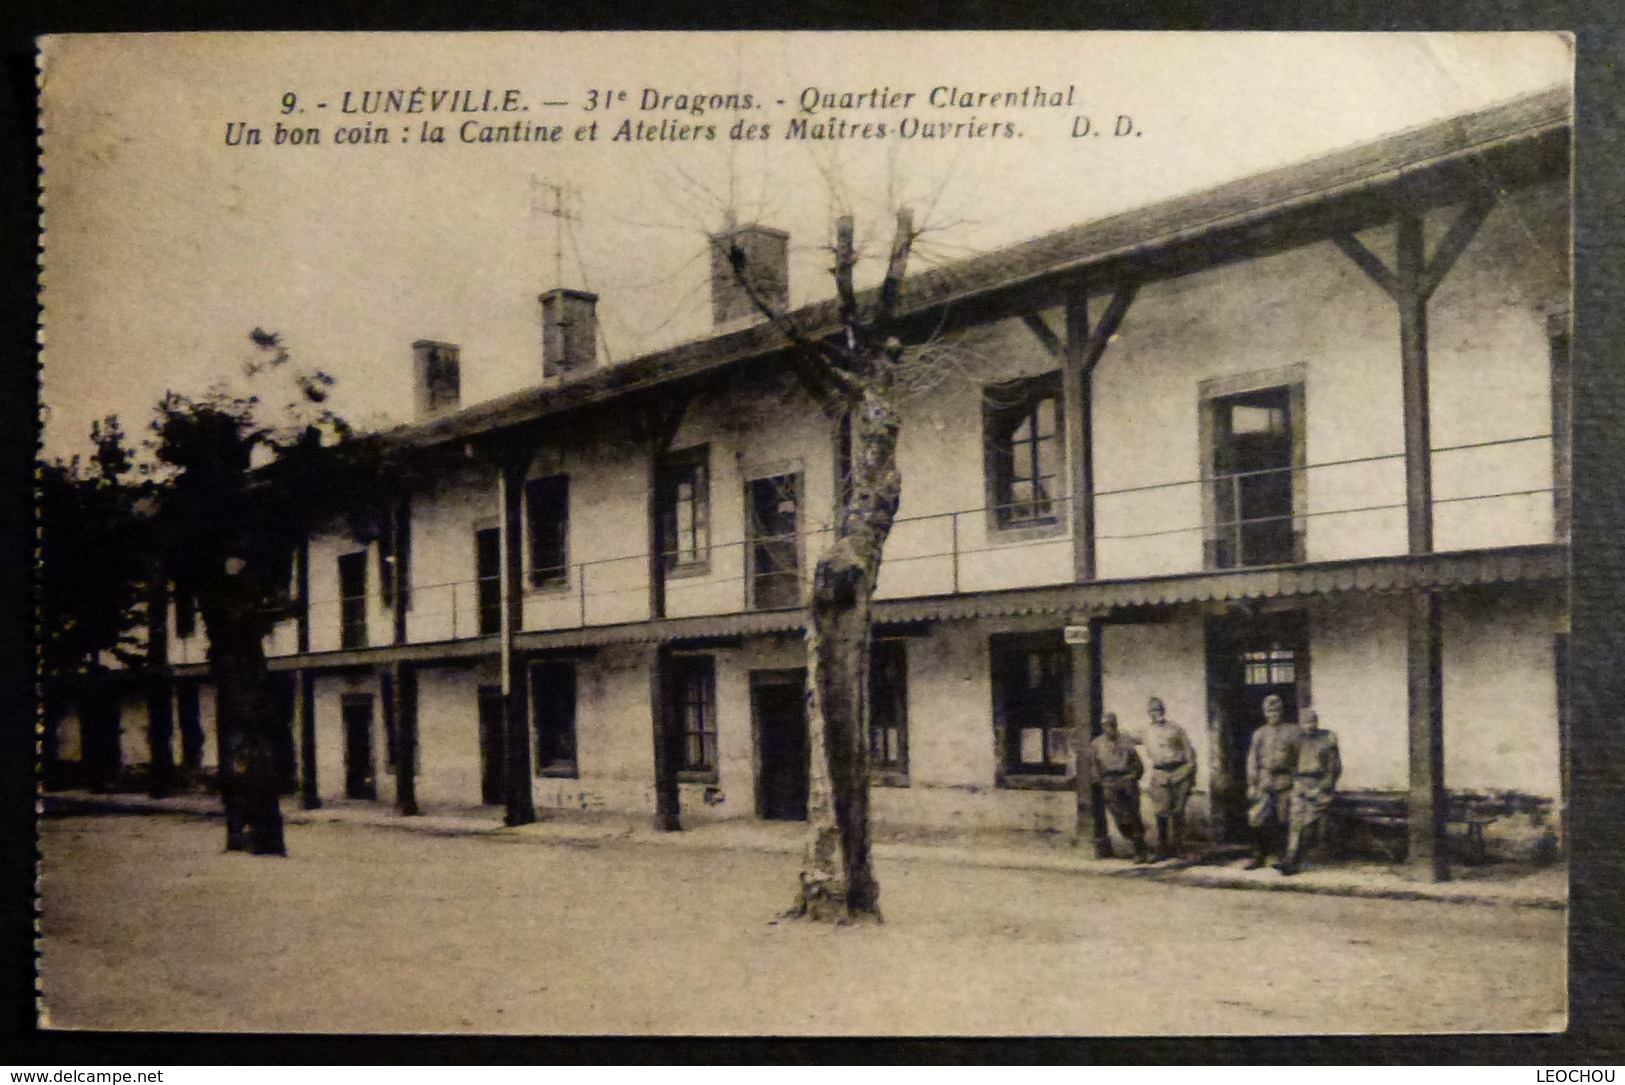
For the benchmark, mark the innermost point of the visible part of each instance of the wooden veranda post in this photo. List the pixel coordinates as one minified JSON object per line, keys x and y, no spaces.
{"x":160,"y":691}
{"x":659,"y":422}
{"x":1424,"y":695}
{"x":521,"y":808}
{"x":1083,"y":710}
{"x":1079,"y":352}
{"x":304,"y":708}
{"x":1411,"y":282}
{"x":404,"y":679}
{"x":304,"y":696}
{"x":667,"y":817}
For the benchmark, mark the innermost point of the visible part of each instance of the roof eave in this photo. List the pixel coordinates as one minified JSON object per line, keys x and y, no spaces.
{"x":1519,"y":143}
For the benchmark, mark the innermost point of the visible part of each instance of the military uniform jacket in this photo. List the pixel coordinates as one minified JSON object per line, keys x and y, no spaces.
{"x":1168,"y":747}
{"x":1273,"y":758}
{"x":1115,"y":759}
{"x":1318,"y":763}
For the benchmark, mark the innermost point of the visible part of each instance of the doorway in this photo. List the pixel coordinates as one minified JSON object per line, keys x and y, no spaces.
{"x":492,"y":793}
{"x":1249,"y":657}
{"x":778,"y":711}
{"x":360,"y":770}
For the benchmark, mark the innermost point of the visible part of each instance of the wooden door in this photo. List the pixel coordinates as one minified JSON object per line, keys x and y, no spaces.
{"x":779,"y":717}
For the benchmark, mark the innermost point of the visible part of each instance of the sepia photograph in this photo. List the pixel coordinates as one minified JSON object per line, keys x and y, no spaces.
{"x":805,"y":533}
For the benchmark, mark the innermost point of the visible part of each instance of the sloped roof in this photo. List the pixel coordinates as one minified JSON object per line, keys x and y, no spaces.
{"x":1521,"y":142}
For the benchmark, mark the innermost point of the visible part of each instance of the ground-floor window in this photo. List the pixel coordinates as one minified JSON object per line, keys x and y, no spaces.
{"x":888,"y":712}
{"x":694,"y":703}
{"x":1030,"y":677}
{"x":553,"y":714}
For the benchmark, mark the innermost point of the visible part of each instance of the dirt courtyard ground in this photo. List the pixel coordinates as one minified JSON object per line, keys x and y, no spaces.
{"x":148,"y":925}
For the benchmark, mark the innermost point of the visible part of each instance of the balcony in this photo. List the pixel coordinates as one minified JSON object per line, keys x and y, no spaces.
{"x":1487,"y":494}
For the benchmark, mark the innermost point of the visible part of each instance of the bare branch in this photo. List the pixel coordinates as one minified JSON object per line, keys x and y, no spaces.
{"x":846,"y":259}
{"x":892,"y":289}
{"x":822,"y":380}
{"x":816,"y":365}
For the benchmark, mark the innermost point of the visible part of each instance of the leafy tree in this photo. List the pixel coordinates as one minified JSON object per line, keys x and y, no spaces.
{"x":90,"y":586}
{"x":242,"y":484}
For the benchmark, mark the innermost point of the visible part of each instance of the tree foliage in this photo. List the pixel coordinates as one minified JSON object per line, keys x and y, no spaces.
{"x":94,"y":563}
{"x":241,"y":480}
{"x":92,"y":553}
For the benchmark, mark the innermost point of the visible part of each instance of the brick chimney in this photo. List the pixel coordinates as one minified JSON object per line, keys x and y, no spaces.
{"x":436,"y":378}
{"x":569,"y":332}
{"x":765,"y":254}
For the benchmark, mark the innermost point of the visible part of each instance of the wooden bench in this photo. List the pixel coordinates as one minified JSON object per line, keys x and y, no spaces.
{"x":1383,"y":817}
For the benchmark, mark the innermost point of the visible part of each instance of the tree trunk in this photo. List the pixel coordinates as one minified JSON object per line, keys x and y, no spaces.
{"x":247,"y":722}
{"x":99,"y":753}
{"x":160,"y":692}
{"x":837,"y":879}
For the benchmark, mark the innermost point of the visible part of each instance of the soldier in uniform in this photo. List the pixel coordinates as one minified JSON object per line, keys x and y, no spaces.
{"x":1173,"y":774}
{"x":1117,"y":768}
{"x":1314,"y":781}
{"x":1271,"y":762}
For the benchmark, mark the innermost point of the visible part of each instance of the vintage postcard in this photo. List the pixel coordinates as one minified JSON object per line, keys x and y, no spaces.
{"x":805,"y":533}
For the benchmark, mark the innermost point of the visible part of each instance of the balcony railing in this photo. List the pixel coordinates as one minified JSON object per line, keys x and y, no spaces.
{"x":941,"y":553}
{"x":1267,"y":539}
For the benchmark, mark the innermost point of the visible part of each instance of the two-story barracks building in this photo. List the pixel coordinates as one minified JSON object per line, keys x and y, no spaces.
{"x":1302,"y":434}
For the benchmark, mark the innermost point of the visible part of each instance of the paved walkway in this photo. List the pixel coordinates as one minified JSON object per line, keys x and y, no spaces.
{"x":1493,"y":883}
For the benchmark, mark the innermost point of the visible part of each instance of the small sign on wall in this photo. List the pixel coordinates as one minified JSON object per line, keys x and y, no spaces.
{"x":1075,"y":634}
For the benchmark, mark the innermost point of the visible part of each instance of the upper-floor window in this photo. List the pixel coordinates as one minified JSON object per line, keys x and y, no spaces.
{"x":773,"y":505}
{"x":353,"y":600}
{"x":547,"y":508}
{"x":1255,"y":479}
{"x":683,"y":508}
{"x":888,"y":712}
{"x":1025,"y":457}
{"x":395,"y":556}
{"x":488,"y":579}
{"x":1031,"y":672}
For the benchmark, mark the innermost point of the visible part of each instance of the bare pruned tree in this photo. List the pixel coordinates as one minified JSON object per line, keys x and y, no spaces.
{"x":855,"y":374}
